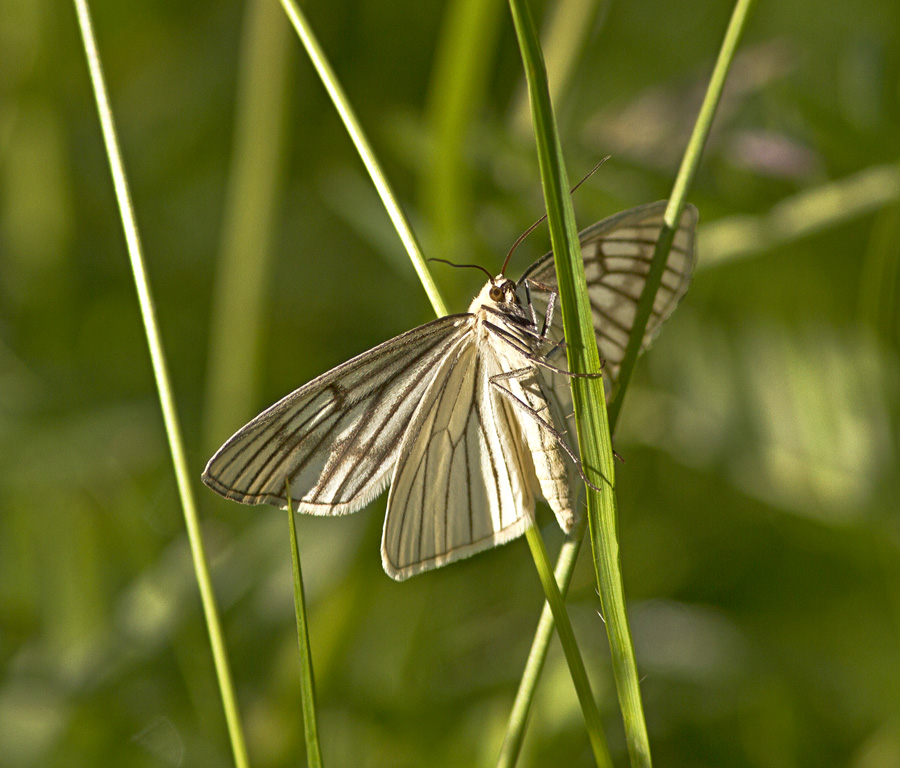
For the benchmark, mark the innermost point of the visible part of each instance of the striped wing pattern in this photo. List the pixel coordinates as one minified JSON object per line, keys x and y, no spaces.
{"x":432,"y":411}
{"x":617,"y":253}
{"x":337,"y":438}
{"x":464,"y":478}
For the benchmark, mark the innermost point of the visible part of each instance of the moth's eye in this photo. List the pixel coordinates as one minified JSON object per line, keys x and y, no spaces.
{"x":495,"y":293}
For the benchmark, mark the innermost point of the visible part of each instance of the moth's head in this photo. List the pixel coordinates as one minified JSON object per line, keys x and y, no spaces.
{"x":498,"y":293}
{"x":501,"y":290}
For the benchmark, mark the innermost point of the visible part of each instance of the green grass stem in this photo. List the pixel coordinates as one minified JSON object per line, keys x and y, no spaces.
{"x":163,"y":386}
{"x":307,"y":680}
{"x":568,"y":27}
{"x":354,"y":129}
{"x":540,"y":644}
{"x":569,"y":553}
{"x":590,"y":408}
{"x":686,"y":172}
{"x":570,"y":648}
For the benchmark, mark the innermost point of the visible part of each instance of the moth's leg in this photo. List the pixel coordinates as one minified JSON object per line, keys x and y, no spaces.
{"x":559,"y":345}
{"x":616,"y":454}
{"x":537,"y":359}
{"x":507,"y":337}
{"x":570,"y":374}
{"x":515,"y":326}
{"x":520,"y":373}
{"x":531,"y":305}
{"x":548,"y":315}
{"x":551,"y":304}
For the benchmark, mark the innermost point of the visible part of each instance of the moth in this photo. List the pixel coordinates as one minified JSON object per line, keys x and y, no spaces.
{"x":467,"y":416}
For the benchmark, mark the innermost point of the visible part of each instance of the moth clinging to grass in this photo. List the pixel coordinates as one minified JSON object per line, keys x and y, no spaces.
{"x":467,"y":417}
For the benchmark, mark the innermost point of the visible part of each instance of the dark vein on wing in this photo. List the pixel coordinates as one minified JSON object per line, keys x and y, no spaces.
{"x":287,"y":433}
{"x":418,"y":468}
{"x":350,"y":442}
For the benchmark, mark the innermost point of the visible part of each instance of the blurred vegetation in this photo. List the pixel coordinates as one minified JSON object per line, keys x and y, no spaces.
{"x":758,"y":501}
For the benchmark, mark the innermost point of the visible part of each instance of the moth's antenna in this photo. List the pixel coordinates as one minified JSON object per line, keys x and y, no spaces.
{"x":543,"y":218}
{"x":465,"y":266}
{"x":519,"y":241}
{"x":590,"y":173}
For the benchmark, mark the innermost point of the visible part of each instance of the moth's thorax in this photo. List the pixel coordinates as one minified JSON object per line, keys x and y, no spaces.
{"x":499,"y":293}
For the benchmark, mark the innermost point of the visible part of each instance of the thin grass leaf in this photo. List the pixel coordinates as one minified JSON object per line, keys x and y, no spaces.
{"x":590,"y":411}
{"x":163,"y":386}
{"x":354,"y":129}
{"x":518,"y":716}
{"x":307,"y":680}
{"x":569,"y":26}
{"x":570,"y":649}
{"x":569,"y":553}
{"x":689,"y":164}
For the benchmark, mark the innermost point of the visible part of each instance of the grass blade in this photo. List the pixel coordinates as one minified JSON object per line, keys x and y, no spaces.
{"x":689,"y":164}
{"x":160,"y":372}
{"x":307,"y":681}
{"x":518,"y":716}
{"x":339,"y":98}
{"x":568,"y":555}
{"x":570,"y":649}
{"x":588,"y":395}
{"x":568,"y":27}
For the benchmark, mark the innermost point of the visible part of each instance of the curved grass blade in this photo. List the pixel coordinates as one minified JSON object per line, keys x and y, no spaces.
{"x":568,"y":556}
{"x":689,"y":164}
{"x":570,"y":649}
{"x":590,"y":409}
{"x":307,"y":680}
{"x":354,"y":129}
{"x":166,"y":399}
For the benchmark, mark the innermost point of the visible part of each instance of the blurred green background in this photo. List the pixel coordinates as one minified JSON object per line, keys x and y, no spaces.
{"x":759,"y":498}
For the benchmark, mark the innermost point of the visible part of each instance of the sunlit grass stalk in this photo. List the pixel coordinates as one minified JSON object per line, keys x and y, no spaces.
{"x":163,"y":386}
{"x":307,"y":680}
{"x":568,"y":26}
{"x":354,"y":129}
{"x":331,"y":83}
{"x":570,"y":649}
{"x":689,"y":164}
{"x":568,"y":555}
{"x":518,"y":716}
{"x":594,"y":439}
